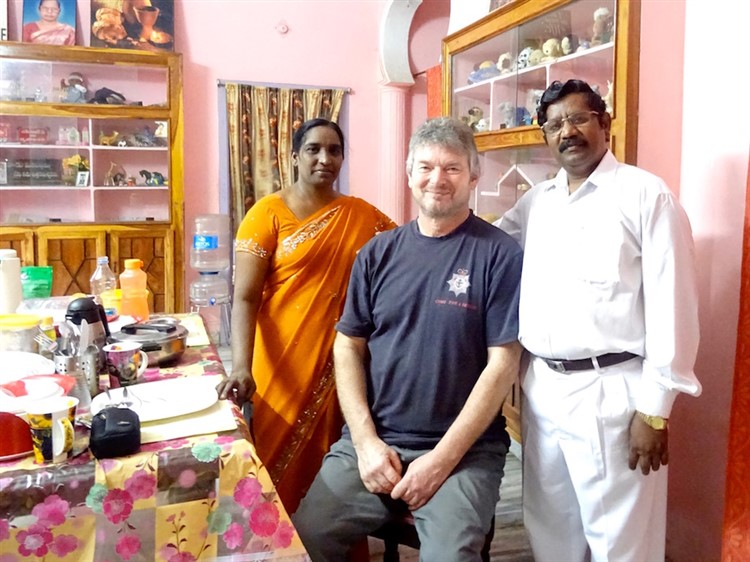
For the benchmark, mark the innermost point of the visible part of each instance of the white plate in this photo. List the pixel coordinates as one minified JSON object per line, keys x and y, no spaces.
{"x":163,"y":399}
{"x":19,"y":364}
{"x":35,"y":390}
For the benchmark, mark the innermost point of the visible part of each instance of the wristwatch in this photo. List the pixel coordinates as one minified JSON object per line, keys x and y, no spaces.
{"x":654,"y":422}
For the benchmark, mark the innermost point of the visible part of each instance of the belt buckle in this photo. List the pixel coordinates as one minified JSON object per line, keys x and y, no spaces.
{"x":557,"y":366}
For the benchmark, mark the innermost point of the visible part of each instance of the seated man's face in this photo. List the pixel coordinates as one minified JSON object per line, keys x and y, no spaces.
{"x":440,"y":181}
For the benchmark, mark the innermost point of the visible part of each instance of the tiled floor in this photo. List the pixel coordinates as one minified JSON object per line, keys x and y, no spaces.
{"x":510,"y":543}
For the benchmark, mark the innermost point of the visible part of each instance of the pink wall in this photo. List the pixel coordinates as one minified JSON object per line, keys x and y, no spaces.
{"x":660,"y":94}
{"x":703,"y":157}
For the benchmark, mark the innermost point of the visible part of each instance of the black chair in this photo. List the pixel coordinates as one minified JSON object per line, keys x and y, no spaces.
{"x":402,"y":531}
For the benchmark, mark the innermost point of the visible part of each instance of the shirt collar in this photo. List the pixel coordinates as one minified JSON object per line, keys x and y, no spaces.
{"x":603,"y":174}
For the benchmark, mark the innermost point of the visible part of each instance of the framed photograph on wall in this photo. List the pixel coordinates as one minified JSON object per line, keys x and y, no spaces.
{"x":3,"y":20}
{"x":49,"y":22}
{"x":133,"y":24}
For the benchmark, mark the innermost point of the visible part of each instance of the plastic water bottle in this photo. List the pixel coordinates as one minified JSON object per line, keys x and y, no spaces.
{"x":133,"y":283}
{"x":210,"y":248}
{"x":103,"y":279}
{"x":209,"y":296}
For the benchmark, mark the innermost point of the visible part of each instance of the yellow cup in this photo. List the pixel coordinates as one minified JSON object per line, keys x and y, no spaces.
{"x":52,"y":433}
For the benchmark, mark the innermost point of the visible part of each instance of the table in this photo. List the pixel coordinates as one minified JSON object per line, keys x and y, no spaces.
{"x":206,"y":497}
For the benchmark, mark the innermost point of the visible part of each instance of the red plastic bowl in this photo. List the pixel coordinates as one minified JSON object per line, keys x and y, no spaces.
{"x":16,"y":436}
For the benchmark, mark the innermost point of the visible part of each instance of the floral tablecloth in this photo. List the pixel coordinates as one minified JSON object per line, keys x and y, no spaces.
{"x":199,"y":498}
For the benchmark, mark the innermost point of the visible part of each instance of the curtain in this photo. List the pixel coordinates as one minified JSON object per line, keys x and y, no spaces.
{"x":261,"y":121}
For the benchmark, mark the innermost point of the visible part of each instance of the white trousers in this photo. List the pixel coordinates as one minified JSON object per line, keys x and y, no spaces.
{"x":581,"y":500}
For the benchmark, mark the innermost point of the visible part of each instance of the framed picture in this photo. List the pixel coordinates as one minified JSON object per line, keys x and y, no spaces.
{"x":3,"y":20}
{"x":49,"y":22}
{"x":147,"y":25}
{"x":82,"y":179}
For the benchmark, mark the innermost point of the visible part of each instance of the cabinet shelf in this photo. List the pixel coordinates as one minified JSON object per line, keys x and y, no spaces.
{"x":589,"y":57}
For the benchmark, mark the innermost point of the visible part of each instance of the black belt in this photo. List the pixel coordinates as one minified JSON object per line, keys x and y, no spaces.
{"x":606,"y":360}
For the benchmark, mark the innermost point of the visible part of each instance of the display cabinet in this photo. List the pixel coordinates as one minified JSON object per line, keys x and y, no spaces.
{"x":495,"y":70}
{"x":91,"y":155}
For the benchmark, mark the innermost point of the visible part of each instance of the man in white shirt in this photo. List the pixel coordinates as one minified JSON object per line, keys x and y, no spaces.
{"x":609,"y":313}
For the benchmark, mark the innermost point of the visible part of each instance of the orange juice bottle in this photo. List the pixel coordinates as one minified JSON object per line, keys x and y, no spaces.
{"x":134,"y":291}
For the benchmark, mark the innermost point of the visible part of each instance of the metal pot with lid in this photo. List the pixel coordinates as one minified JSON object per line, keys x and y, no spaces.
{"x":162,"y":338}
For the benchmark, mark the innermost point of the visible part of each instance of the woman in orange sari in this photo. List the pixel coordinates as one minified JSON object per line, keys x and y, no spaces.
{"x":294,"y":253}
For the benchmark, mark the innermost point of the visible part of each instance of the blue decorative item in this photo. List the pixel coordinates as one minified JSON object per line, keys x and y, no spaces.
{"x":523,"y":117}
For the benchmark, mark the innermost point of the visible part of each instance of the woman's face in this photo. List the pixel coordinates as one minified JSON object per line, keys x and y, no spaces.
{"x":320,"y":157}
{"x":49,"y":10}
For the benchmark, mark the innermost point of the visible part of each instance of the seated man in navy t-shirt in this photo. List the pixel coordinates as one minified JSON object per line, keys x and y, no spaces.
{"x":426,"y":352}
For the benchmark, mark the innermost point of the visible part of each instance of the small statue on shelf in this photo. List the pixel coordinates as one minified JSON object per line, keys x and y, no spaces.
{"x":115,"y":176}
{"x":569,"y":44}
{"x":108,"y":140}
{"x":603,"y":25}
{"x":73,"y":90}
{"x":153,"y":178}
{"x":551,"y":49}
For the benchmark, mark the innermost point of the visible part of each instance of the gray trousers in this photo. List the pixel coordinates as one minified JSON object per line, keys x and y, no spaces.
{"x":338,"y":511}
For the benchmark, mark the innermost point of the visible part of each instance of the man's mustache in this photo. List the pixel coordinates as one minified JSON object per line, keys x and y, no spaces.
{"x":567,"y":143}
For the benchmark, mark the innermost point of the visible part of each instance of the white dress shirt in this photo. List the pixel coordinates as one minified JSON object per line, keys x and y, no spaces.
{"x":608,"y":269}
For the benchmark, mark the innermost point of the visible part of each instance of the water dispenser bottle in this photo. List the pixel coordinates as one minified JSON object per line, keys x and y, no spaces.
{"x":209,"y":296}
{"x":210,"y":248}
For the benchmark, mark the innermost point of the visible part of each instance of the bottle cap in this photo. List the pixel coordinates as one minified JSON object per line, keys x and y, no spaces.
{"x":133,"y":263}
{"x":101,"y":260}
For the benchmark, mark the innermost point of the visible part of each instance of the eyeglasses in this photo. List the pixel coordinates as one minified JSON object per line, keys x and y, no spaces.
{"x":555,"y":126}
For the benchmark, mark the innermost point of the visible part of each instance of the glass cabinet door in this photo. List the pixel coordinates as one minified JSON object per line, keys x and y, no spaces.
{"x":496,"y":83}
{"x":506,"y":175}
{"x":85,"y":137}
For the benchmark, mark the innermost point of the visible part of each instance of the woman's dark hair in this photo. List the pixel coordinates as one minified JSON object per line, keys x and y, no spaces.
{"x":557,"y":91}
{"x":299,"y":134}
{"x":39,"y":7}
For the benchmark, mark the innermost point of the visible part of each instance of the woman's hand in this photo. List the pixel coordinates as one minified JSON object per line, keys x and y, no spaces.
{"x":239,"y":388}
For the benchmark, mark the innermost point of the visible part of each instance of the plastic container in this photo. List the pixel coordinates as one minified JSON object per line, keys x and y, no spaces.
{"x":102,"y":281}
{"x":112,"y":303}
{"x":11,"y":292}
{"x":209,"y":296}
{"x":210,"y":249}
{"x":36,"y":281}
{"x":133,"y":283}
{"x":17,"y":332}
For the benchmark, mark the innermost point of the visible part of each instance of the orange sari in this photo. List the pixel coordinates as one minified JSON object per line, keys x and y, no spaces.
{"x":297,"y":416}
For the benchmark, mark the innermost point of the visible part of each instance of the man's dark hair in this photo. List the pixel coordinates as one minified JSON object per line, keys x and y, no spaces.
{"x":299,"y":134}
{"x":557,"y":91}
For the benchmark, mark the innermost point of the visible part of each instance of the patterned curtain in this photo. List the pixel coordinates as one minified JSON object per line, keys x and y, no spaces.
{"x":261,"y":122}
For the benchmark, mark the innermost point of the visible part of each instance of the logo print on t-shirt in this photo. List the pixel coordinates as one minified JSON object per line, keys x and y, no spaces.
{"x":459,"y":283}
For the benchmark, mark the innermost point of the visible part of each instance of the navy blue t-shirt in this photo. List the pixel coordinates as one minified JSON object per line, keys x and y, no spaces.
{"x":429,"y":307}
